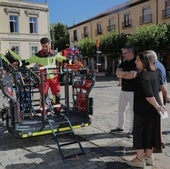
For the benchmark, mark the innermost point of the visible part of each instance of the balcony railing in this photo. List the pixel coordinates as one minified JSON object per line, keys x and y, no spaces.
{"x":166,"y":13}
{"x":85,"y":35}
{"x":99,"y":31}
{"x":127,"y":23}
{"x":146,"y":19}
{"x":110,"y":28}
{"x":74,"y":39}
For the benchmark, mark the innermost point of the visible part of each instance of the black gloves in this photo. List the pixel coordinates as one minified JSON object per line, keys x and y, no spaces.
{"x":24,"y":64}
{"x":66,"y":61}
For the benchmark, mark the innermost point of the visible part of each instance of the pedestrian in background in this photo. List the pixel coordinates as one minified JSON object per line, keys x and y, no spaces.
{"x":127,"y":72}
{"x":163,"y":82}
{"x":147,"y":108}
{"x":162,"y":75}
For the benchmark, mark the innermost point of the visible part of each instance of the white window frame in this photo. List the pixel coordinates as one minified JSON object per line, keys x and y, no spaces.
{"x":34,"y":45}
{"x":15,"y":23}
{"x":146,"y":14}
{"x":34,"y":25}
{"x":16,"y":46}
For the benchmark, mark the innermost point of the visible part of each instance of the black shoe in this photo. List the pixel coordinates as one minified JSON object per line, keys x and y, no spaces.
{"x":129,"y":135}
{"x":162,"y":145}
{"x":116,"y":130}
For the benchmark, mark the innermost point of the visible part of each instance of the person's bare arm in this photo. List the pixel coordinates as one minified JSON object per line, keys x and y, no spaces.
{"x":164,"y":92}
{"x":154,"y":103}
{"x":125,"y":74}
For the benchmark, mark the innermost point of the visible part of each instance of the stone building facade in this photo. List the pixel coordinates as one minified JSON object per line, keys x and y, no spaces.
{"x":124,"y":18}
{"x":23,"y":24}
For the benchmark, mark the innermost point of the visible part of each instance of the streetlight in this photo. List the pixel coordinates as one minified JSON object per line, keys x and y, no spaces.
{"x":52,"y":35}
{"x":97,"y":53}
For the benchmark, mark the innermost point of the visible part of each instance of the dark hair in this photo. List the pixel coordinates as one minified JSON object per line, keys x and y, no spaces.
{"x":145,"y":60}
{"x":44,"y":40}
{"x":129,"y":48}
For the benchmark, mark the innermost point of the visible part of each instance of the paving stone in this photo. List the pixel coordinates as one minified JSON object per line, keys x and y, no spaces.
{"x":103,"y":149}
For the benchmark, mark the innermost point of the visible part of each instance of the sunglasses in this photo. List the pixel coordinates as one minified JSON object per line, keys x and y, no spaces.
{"x":125,"y":53}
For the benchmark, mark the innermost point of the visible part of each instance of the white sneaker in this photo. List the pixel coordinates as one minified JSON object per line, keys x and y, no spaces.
{"x":136,"y":163}
{"x":149,"y":160}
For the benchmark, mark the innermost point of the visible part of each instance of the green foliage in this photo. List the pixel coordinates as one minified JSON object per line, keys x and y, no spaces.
{"x":156,"y":37}
{"x":111,"y":43}
{"x":149,"y":37}
{"x":165,"y":43}
{"x":107,"y":42}
{"x":87,"y":47}
{"x":59,"y":36}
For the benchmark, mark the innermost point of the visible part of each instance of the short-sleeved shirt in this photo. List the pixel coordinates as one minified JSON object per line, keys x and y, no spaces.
{"x":162,"y":72}
{"x":147,"y":85}
{"x":128,"y":84}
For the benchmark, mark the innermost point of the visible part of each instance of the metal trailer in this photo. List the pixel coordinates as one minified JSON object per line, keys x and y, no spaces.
{"x":26,"y":118}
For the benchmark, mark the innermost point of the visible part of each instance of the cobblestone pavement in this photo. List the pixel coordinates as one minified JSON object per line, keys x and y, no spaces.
{"x":103,"y":149}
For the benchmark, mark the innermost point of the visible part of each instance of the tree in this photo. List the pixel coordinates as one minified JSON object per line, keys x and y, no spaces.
{"x":149,"y":37}
{"x":112,"y":42}
{"x":165,"y":43}
{"x":87,"y":47}
{"x":59,"y":36}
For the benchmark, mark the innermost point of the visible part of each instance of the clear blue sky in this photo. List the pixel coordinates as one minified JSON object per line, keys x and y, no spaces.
{"x":75,"y":11}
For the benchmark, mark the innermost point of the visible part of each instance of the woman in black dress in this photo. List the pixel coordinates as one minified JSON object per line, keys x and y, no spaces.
{"x":147,"y":108}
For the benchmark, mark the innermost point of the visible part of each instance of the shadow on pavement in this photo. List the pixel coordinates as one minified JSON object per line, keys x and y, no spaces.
{"x":166,"y":132}
{"x":102,"y":86}
{"x":51,"y":160}
{"x":41,"y":152}
{"x":118,"y":165}
{"x":105,"y":135}
{"x":106,"y":78}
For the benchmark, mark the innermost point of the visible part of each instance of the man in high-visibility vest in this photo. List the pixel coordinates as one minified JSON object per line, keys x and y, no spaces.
{"x":46,"y":61}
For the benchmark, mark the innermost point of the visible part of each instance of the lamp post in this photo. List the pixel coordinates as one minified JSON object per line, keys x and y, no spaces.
{"x":97,"y":54}
{"x":97,"y":60}
{"x":52,"y":36}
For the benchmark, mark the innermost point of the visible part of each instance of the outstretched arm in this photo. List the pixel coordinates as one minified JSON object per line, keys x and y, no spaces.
{"x":32,"y":59}
{"x":60,"y":58}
